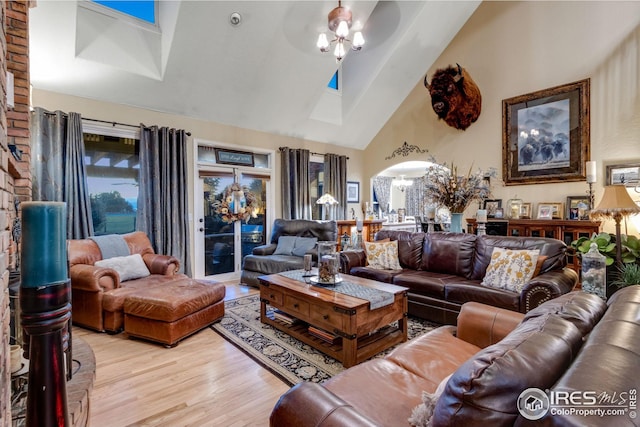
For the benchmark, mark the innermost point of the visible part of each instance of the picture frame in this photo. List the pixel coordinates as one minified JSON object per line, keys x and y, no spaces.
{"x":623,"y":174}
{"x":492,"y":205}
{"x":353,"y":192}
{"x":545,"y":211}
{"x":577,"y":207}
{"x":234,"y":157}
{"x":546,"y":135}
{"x":525,"y":210}
{"x":557,"y":209}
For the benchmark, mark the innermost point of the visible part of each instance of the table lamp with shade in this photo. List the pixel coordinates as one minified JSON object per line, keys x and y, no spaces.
{"x":327,"y":200}
{"x":615,"y":204}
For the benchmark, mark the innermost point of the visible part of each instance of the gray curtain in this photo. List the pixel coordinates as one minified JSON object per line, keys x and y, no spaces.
{"x":58,"y":172}
{"x":296,"y":197}
{"x":414,"y":199}
{"x":163,"y":194}
{"x":382,"y":188}
{"x":335,"y":182}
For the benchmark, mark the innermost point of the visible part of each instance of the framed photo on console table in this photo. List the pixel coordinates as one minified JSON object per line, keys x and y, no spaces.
{"x":492,"y":207}
{"x":557,"y":210}
{"x":545,"y":211}
{"x":546,"y":135}
{"x":577,"y":207}
{"x":525,"y":210}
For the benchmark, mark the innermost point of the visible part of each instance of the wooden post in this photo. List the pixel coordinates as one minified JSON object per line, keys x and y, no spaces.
{"x":46,"y":310}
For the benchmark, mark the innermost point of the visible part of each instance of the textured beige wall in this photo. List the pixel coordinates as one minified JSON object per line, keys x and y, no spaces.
{"x":199,"y":129}
{"x":513,"y":48}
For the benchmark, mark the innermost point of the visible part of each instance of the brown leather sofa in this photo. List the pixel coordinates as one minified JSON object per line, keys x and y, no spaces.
{"x":263,"y":261}
{"x":97,"y":295}
{"x":444,"y":271}
{"x":573,"y":344}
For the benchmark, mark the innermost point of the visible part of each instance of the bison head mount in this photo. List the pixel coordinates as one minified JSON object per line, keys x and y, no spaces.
{"x":455,"y":97}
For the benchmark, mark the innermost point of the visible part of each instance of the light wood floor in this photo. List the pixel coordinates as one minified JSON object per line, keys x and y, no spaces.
{"x":204,"y":381}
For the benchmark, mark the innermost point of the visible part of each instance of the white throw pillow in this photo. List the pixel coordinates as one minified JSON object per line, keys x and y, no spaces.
{"x":128,"y":267}
{"x":383,"y":256}
{"x":510,"y":269}
{"x":422,"y":414}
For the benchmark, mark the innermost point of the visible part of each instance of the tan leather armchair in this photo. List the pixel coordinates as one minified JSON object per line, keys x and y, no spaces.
{"x":97,"y":292}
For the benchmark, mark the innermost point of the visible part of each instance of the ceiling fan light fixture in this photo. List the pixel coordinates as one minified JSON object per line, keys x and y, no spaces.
{"x":343,"y":29}
{"x":339,"y":52}
{"x":358,"y":40}
{"x":339,"y":22}
{"x":323,"y":42}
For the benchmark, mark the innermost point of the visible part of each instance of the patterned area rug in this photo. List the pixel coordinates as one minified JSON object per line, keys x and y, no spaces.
{"x":291,"y":360}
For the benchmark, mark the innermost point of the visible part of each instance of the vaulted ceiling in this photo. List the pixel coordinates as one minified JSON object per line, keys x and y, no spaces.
{"x":265,"y":74}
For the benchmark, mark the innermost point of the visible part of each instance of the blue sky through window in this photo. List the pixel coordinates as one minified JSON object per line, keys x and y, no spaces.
{"x":333,"y":83}
{"x":141,"y":9}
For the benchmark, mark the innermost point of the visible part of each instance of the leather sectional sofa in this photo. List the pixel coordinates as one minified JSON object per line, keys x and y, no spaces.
{"x":573,"y":344}
{"x":445,"y":270}
{"x":263,"y":261}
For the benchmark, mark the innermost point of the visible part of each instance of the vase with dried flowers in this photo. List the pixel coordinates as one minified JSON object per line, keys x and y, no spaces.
{"x":444,"y":186}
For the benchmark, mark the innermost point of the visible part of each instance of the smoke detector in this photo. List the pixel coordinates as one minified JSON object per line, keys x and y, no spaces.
{"x":235,"y":19}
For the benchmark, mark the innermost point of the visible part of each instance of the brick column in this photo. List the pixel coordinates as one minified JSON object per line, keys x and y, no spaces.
{"x":15,"y":180}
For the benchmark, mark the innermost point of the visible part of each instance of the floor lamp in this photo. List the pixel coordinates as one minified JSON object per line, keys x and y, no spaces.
{"x":615,"y":204}
{"x":327,"y":200}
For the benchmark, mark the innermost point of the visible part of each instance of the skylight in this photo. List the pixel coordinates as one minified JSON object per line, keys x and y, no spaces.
{"x":333,"y":83}
{"x":141,"y":9}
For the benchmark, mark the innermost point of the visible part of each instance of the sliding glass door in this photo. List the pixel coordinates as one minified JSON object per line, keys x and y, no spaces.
{"x":219,"y":235}
{"x":232,"y":208}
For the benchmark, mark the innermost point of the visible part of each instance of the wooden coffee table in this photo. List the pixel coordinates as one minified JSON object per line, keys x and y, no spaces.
{"x":363,"y":332}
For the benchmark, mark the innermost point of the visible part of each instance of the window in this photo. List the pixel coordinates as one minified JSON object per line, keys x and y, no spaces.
{"x":144,"y":10}
{"x":316,"y":177}
{"x":333,"y":83}
{"x":112,"y":165}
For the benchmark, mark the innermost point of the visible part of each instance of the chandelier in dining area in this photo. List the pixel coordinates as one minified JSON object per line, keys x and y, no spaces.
{"x":340,"y":20}
{"x":402,"y":183}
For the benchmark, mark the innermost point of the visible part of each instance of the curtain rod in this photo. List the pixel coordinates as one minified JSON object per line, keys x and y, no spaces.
{"x":120,"y":124}
{"x":310,"y":152}
{"x":52,"y":113}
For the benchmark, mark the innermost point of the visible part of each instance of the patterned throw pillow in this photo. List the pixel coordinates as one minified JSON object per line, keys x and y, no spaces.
{"x":423,"y":413}
{"x":510,"y":269}
{"x":383,"y":255}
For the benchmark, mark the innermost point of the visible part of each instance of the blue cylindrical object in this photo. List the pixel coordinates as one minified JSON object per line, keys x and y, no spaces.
{"x":44,"y":244}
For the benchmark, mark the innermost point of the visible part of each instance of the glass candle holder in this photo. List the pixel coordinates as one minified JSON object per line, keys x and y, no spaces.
{"x":514,"y":206}
{"x":307,"y":264}
{"x":594,"y":272}
{"x":328,"y":266}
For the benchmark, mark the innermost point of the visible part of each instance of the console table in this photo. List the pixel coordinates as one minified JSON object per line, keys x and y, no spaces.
{"x":561,"y":229}
{"x":369,"y":228}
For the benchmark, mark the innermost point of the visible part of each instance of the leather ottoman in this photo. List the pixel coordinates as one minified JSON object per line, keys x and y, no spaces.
{"x":169,"y":313}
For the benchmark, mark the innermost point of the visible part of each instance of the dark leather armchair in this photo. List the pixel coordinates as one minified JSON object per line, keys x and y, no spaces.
{"x":263,"y":261}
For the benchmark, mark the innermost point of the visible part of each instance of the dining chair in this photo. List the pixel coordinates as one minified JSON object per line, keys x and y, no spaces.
{"x":418,"y":220}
